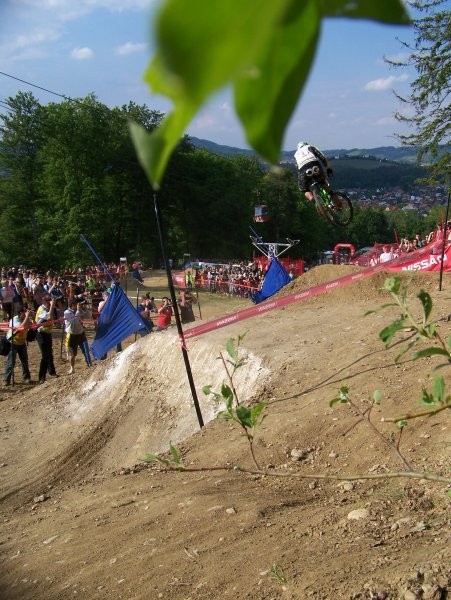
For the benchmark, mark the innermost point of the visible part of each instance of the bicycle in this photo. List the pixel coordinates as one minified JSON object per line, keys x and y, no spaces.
{"x":335,"y":206}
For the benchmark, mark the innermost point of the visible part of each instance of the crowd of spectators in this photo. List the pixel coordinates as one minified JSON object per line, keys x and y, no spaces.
{"x":230,"y":279}
{"x":33,"y":302}
{"x":380,"y":253}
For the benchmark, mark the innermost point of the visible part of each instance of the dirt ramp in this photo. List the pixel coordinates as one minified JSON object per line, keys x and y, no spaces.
{"x":134,"y":403}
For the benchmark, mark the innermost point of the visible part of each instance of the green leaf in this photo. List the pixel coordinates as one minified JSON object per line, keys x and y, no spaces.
{"x":226,"y":415}
{"x":377,"y":397}
{"x":343,"y":396}
{"x":244,"y":416}
{"x":175,"y":454}
{"x":386,"y":11}
{"x":426,"y":301}
{"x":438,"y":390}
{"x":426,"y":398}
{"x":393,"y":284}
{"x":387,"y":334}
{"x":431,"y":329}
{"x":226,"y":392}
{"x":401,"y":424}
{"x":241,"y":337}
{"x":256,"y":411}
{"x":430,"y":352}
{"x":266,"y":95}
{"x":231,"y":348}
{"x":207,"y":390}
{"x":154,"y":149}
{"x":151,"y":458}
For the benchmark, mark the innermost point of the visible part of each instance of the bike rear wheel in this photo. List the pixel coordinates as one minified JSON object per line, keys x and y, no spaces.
{"x":336,"y":207}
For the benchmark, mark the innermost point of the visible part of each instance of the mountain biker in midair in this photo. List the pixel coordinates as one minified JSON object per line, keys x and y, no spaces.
{"x":307,"y":157}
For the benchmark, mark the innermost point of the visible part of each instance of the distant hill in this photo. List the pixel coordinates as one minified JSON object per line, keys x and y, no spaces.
{"x":402,"y":154}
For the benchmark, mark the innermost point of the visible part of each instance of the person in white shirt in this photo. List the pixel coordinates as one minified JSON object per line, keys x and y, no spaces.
{"x":75,"y":333}
{"x":386,"y":255}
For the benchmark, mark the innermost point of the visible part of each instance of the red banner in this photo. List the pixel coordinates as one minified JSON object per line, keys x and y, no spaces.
{"x":425,"y":259}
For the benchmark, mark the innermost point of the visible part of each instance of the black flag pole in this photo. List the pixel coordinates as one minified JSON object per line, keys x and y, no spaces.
{"x":445,"y":229}
{"x":176,"y":312}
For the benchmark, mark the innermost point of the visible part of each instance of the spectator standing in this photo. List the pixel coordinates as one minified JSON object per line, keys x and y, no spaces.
{"x":7,"y":295}
{"x":38,"y":291}
{"x":44,"y":316}
{"x":164,"y":314}
{"x":185,"y":303}
{"x":189,"y":280}
{"x":75,"y":333}
{"x":136,"y":274}
{"x":17,"y":335}
{"x":386,"y":255}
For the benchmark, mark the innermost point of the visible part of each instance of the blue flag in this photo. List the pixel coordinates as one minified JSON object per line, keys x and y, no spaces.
{"x":275,"y":278}
{"x":117,"y":321}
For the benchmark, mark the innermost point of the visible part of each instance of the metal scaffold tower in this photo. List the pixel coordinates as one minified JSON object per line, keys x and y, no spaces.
{"x":271,"y":249}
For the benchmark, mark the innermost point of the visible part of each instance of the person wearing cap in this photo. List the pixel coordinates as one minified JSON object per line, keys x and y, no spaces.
{"x":17,"y":335}
{"x":44,"y":316}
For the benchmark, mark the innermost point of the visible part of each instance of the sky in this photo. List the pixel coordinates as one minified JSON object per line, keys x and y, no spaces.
{"x":78,"y":47}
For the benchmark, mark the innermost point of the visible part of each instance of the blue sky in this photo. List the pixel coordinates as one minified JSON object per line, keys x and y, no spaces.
{"x":75,"y":47}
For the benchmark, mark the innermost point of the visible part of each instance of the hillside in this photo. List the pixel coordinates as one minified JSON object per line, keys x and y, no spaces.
{"x":398,"y":154}
{"x":84,"y":517}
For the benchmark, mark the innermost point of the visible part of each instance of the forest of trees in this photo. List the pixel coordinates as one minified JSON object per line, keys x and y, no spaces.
{"x":69,"y":168}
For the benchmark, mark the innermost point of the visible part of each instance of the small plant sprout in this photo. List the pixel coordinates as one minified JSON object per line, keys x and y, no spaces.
{"x":424,"y":331}
{"x":173,"y":462}
{"x":249,"y":419}
{"x":278,"y":573}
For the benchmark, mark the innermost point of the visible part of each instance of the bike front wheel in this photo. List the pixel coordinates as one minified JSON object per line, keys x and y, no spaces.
{"x":336,"y":207}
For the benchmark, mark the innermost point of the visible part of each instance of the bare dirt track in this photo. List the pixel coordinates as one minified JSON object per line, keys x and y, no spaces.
{"x":83,"y":516}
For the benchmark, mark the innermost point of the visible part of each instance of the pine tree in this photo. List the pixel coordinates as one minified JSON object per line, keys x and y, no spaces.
{"x":430,"y":55}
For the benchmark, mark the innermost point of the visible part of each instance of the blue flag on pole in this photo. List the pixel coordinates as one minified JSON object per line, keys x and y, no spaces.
{"x":117,"y":321}
{"x":275,"y":278}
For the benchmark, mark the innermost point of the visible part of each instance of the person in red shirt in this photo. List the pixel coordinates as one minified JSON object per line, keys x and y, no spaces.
{"x":164,"y":314}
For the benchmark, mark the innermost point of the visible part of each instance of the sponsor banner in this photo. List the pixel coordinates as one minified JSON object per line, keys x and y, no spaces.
{"x":427,"y":259}
{"x":179,"y":279}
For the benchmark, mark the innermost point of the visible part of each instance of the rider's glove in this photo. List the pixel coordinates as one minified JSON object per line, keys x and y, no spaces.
{"x":329,"y":171}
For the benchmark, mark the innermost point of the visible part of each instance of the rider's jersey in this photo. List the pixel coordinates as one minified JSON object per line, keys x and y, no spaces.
{"x":307,"y":154}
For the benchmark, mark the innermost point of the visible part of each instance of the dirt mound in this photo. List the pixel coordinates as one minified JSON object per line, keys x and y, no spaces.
{"x":83,"y":516}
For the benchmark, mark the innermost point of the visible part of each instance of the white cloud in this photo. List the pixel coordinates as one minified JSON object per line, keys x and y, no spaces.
{"x":82,"y":54}
{"x":130,"y":48}
{"x":386,"y":121}
{"x":377,"y":85}
{"x":68,"y":9}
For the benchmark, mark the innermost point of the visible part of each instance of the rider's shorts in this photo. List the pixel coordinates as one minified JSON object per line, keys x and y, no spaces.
{"x":305,"y":173}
